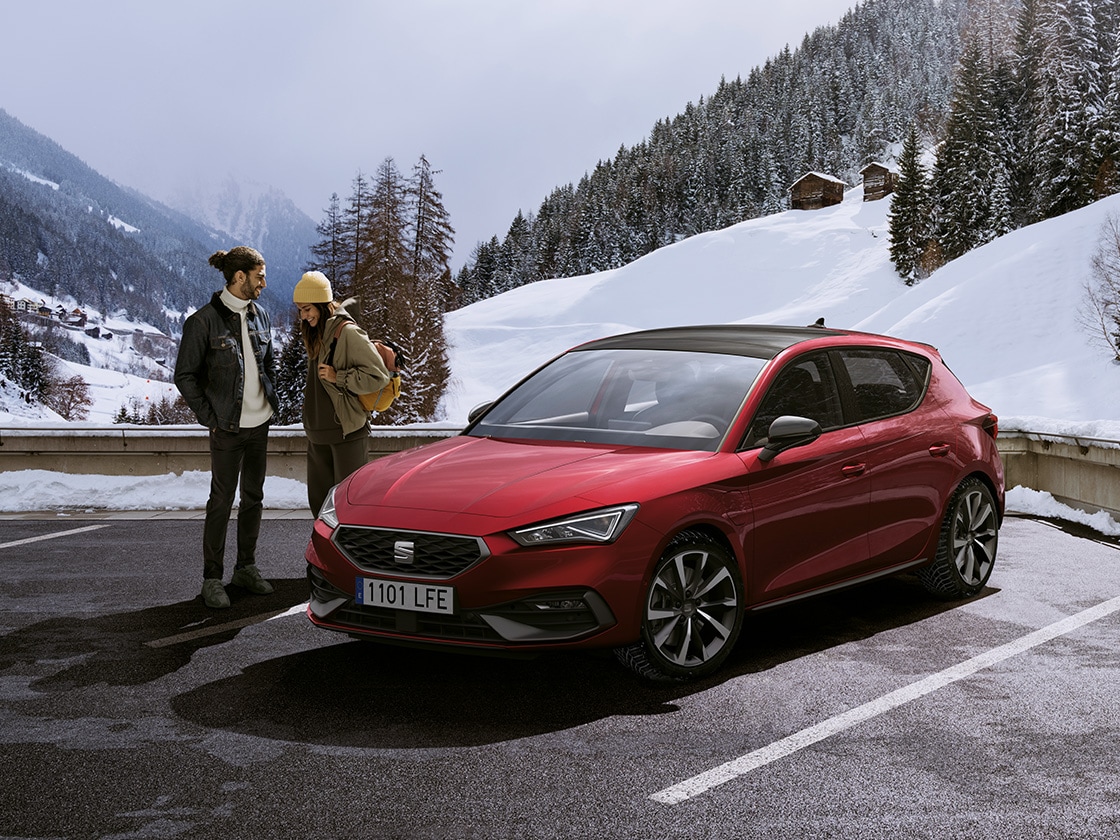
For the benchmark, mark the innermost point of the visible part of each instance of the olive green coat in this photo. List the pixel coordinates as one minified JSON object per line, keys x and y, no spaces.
{"x":358,"y":366}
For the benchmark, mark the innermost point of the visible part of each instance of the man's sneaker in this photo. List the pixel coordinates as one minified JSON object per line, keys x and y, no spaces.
{"x":249,"y":577}
{"x":214,"y":594}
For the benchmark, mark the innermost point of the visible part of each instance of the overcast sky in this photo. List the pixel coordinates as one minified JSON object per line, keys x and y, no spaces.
{"x":508,"y":98}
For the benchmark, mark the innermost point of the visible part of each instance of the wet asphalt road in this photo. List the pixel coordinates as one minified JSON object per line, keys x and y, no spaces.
{"x":129,"y":710}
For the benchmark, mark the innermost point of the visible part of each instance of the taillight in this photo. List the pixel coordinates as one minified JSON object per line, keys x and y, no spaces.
{"x":990,"y":424}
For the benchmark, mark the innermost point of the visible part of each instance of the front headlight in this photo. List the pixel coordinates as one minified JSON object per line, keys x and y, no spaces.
{"x":598,"y":526}
{"x":326,"y":512}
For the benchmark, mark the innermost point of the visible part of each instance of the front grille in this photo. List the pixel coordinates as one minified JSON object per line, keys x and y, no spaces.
{"x":409,"y":553}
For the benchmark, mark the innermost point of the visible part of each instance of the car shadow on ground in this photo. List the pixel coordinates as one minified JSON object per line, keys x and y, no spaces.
{"x":367,"y":695}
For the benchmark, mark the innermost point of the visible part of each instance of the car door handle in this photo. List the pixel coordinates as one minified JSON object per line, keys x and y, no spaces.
{"x":940,"y":450}
{"x":852,"y":470}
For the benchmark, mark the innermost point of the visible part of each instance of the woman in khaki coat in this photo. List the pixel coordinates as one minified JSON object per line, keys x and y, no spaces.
{"x":341,"y":364}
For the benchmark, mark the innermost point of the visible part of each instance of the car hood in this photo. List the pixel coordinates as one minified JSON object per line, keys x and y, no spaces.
{"x":504,"y":478}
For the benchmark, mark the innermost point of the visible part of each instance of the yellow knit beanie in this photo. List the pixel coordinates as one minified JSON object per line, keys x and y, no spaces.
{"x":313,"y":287}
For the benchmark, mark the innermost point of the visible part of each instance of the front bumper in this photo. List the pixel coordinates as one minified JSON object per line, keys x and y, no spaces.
{"x":546,"y":619}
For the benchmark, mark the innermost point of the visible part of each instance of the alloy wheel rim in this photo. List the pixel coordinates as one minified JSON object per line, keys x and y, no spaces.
{"x":974,"y":537}
{"x":692,"y":608}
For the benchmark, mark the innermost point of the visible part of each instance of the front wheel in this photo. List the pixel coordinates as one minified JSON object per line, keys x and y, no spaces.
{"x":692,"y":612}
{"x":966,"y":550}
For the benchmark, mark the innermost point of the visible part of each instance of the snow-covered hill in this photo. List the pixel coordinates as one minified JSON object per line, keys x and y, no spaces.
{"x":1004,"y":316}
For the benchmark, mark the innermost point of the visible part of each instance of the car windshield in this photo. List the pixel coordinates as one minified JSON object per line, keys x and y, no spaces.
{"x":668,"y":399}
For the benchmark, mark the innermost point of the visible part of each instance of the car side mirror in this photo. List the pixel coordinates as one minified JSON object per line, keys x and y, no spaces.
{"x":478,"y":411}
{"x":787,"y":432}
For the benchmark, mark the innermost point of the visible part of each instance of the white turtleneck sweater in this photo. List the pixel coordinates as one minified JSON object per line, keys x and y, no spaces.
{"x":255,"y":408}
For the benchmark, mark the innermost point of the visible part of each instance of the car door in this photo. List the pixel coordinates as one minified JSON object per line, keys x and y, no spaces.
{"x":809,"y":503}
{"x":908,"y":452}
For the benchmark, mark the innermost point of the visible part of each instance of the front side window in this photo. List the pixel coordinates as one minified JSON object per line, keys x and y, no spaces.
{"x":884,"y":382}
{"x":804,"y":388}
{"x":670,"y":399}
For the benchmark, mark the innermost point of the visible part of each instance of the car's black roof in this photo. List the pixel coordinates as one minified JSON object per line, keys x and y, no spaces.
{"x":756,"y":340}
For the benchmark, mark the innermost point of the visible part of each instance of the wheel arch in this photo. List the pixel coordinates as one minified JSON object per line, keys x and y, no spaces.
{"x":988,"y":482}
{"x":717,"y":532}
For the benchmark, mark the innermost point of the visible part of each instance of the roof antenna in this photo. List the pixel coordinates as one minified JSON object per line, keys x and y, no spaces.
{"x":818,"y":323}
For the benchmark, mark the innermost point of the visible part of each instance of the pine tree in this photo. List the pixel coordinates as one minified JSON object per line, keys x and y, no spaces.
{"x":1068,"y":103}
{"x":971,"y":183}
{"x":1106,"y":150}
{"x":388,"y":293}
{"x":514,"y":259}
{"x":910,"y":224}
{"x":334,"y":250}
{"x":291,"y":376}
{"x":415,"y":315}
{"x":11,"y":338}
{"x":476,"y":279}
{"x":22,"y":360}
{"x":432,"y":235}
{"x":1024,"y":165}
{"x":356,"y":231}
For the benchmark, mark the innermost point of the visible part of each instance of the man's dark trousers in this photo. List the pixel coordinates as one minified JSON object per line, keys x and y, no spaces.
{"x":233,"y":456}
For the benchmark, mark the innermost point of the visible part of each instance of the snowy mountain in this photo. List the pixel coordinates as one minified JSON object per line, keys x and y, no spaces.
{"x":69,"y":231}
{"x":1005,"y":316}
{"x":258,"y":215}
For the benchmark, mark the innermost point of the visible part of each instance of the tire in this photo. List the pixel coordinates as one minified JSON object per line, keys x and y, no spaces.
{"x":692,"y":612}
{"x":966,"y":550}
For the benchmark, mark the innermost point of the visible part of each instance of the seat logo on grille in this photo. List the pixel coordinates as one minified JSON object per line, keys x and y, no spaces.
{"x":404,"y":552}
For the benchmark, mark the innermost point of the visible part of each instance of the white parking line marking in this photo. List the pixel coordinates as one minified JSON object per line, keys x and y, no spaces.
{"x":298,"y":609}
{"x":806,"y":737}
{"x":53,"y":536}
{"x":202,"y":632}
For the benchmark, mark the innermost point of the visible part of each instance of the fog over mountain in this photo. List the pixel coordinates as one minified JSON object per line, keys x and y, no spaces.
{"x":68,"y":231}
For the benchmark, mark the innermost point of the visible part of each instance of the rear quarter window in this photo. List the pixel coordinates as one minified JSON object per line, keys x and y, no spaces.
{"x":884,"y":382}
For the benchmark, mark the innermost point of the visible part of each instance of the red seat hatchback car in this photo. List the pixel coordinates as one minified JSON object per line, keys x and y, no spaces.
{"x":642,"y":491}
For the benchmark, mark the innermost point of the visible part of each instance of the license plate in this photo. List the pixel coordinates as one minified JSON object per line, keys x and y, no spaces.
{"x":401,"y":595}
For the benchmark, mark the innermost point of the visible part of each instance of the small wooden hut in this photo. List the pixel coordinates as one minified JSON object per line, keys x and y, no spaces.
{"x":813,"y":191}
{"x":879,"y":181}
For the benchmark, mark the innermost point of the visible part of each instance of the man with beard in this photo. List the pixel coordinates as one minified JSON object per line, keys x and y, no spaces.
{"x":225,"y":372}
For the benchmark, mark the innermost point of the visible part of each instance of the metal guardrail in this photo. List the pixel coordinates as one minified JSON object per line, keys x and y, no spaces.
{"x":1081,"y":472}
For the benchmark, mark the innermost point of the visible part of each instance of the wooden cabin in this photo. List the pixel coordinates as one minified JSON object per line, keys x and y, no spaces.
{"x":813,"y":191}
{"x":879,"y":181}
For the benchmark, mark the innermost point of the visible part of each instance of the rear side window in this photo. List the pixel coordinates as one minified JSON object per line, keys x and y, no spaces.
{"x":884,"y":382}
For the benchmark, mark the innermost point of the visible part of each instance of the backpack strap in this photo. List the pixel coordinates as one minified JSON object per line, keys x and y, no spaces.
{"x":390,"y":353}
{"x":334,"y":341}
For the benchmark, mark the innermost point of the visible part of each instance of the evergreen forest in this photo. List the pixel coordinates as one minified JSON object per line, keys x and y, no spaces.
{"x":1018,"y":98}
{"x":389,"y":248}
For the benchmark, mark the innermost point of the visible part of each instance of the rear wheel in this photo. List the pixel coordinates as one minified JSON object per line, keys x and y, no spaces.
{"x":692,"y":613}
{"x":966,"y":551}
